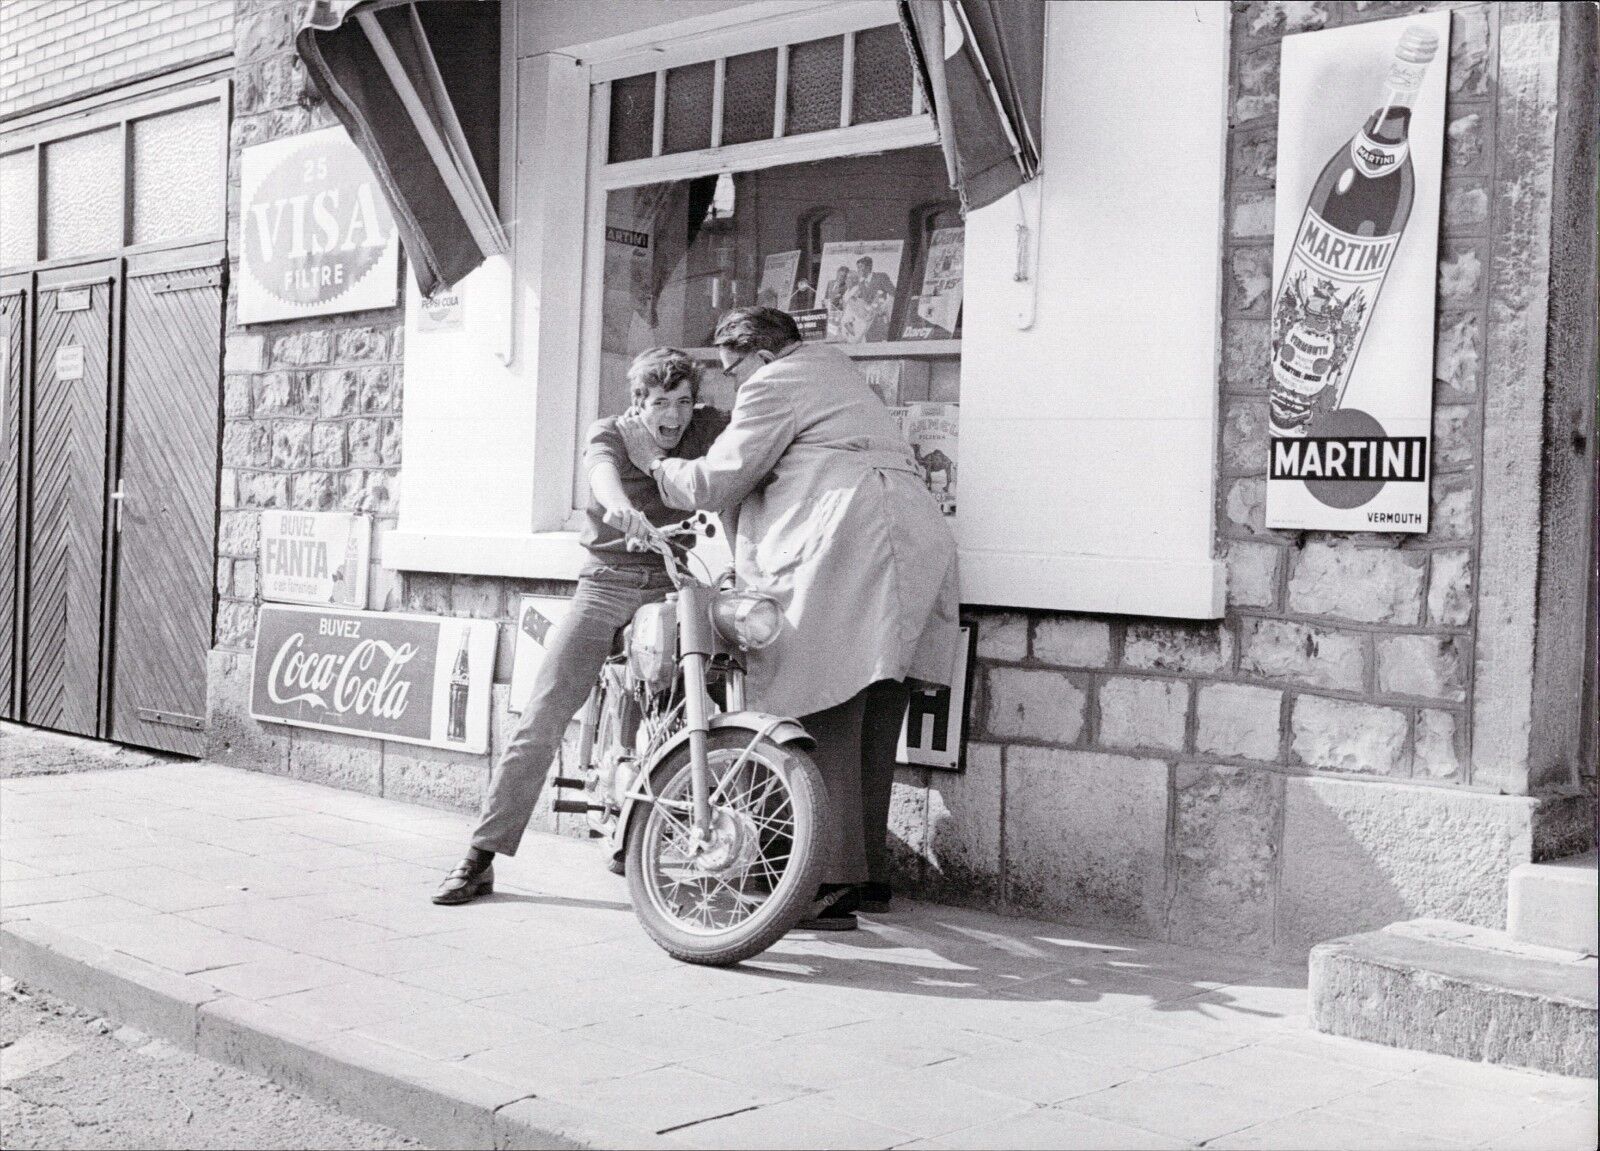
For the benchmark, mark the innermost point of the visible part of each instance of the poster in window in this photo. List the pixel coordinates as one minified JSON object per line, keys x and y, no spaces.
{"x":934,"y":731}
{"x":1361,"y":117}
{"x":932,"y":431}
{"x":935,"y":312}
{"x":857,"y":282}
{"x":777,"y":288}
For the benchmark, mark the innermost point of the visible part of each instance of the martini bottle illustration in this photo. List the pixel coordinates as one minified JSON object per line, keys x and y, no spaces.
{"x":1352,"y":225}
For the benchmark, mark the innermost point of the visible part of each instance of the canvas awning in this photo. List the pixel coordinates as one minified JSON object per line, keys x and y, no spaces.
{"x":981,"y":66}
{"x":417,"y":85}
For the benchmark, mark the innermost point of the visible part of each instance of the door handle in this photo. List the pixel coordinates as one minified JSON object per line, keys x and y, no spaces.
{"x":116,"y":502}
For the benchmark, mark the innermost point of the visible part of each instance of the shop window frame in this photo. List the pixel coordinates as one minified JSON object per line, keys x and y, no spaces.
{"x":605,"y":177}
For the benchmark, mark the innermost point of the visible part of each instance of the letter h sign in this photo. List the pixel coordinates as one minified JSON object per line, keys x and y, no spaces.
{"x":934,"y":732}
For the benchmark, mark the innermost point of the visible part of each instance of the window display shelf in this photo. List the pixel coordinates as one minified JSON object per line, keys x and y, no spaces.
{"x":882,"y":350}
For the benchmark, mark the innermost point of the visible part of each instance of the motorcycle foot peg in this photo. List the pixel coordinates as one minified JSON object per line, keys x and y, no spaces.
{"x":568,"y":782}
{"x":575,"y":807}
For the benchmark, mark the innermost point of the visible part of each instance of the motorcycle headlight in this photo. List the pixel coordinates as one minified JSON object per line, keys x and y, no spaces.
{"x":751,"y":621}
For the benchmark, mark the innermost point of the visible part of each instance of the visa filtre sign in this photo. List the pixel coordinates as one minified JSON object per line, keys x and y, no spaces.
{"x":316,"y":235}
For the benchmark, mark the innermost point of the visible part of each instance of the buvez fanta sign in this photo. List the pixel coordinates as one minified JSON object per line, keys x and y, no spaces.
{"x":416,"y":679}
{"x":315,"y":233}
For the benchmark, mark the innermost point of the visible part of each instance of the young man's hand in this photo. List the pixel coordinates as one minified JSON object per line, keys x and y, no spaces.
{"x":635,"y":528}
{"x":642,"y":447}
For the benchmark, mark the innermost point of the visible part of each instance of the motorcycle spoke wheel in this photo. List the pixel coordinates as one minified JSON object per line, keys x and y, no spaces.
{"x":716,"y":890}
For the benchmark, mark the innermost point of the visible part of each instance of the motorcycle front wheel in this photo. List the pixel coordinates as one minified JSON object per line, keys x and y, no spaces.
{"x":757,"y":874}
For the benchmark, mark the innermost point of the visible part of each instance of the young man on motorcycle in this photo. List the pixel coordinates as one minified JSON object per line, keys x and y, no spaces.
{"x":836,"y":525}
{"x":617,"y":579}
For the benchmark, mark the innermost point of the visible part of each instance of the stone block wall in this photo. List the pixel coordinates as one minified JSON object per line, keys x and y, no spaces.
{"x":1306,"y":766}
{"x":311,"y":408}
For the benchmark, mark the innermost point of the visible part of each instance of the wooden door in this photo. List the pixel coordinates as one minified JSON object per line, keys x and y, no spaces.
{"x":64,"y":606}
{"x":12,"y":319}
{"x":166,"y":533}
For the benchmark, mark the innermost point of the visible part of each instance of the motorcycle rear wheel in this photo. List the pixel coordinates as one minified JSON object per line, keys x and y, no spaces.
{"x":775,"y":812}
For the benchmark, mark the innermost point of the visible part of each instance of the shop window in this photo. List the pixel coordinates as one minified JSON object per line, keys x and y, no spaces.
{"x":680,"y":253}
{"x":175,"y":189}
{"x":690,"y":93}
{"x":633,"y":116}
{"x":797,"y":173}
{"x":881,"y":77}
{"x":19,"y":192}
{"x":749,"y":97}
{"x":83,"y":194}
{"x":816,"y":79}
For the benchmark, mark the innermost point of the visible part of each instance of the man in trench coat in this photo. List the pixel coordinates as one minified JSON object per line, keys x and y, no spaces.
{"x":833,"y":522}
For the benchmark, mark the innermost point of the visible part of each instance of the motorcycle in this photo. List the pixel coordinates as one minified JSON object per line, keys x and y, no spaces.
{"x":715,"y":813}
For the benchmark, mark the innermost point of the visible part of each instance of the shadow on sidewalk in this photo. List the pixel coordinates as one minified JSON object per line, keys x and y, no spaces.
{"x":957,"y":955}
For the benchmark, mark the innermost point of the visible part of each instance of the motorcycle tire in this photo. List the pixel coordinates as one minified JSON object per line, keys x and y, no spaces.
{"x":797,"y":888}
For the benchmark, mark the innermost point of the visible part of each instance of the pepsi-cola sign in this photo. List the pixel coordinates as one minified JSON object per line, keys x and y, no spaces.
{"x":315,"y":233}
{"x":415,"y":679}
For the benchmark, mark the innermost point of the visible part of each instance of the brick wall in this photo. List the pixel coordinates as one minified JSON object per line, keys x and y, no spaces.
{"x":53,"y":50}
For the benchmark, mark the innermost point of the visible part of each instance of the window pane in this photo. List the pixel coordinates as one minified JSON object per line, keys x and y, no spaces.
{"x":19,"y":217}
{"x":748,"y":92}
{"x":816,"y":81}
{"x":177,"y":178}
{"x":882,"y":88}
{"x":633,"y":115}
{"x":690,"y":92}
{"x":83,"y":194}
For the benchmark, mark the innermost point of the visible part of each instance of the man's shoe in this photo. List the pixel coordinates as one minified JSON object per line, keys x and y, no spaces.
{"x":874,"y":898}
{"x":465,"y":884}
{"x":834,"y":910}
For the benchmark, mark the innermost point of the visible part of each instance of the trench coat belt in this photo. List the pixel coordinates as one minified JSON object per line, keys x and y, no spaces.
{"x":890,"y":460}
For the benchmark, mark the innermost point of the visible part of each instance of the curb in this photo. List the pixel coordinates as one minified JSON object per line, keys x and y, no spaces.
{"x":443,"y":1106}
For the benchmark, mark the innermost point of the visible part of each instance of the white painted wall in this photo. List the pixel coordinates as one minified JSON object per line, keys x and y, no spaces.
{"x":1088,"y":440}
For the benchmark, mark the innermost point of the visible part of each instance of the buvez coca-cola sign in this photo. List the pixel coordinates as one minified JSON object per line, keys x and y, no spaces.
{"x":315,"y":233}
{"x":417,"y":679}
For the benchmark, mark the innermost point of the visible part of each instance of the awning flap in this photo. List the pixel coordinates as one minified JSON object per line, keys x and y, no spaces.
{"x":416,"y":83}
{"x":981,"y":66}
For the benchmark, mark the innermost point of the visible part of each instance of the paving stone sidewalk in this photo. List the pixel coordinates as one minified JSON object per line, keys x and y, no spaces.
{"x":288,"y":910}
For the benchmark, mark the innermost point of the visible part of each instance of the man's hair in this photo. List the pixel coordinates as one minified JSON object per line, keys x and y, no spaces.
{"x":867,"y":260}
{"x":663,"y":368}
{"x":749,"y":330}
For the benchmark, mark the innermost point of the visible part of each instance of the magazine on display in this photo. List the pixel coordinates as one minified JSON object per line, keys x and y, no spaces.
{"x":857,"y":283}
{"x":932,"y":430}
{"x":883,"y":377}
{"x":778,"y":289}
{"x":935,"y":312}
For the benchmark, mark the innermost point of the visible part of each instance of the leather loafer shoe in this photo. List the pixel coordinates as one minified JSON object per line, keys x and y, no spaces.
{"x":834,"y":910}
{"x":465,"y":884}
{"x":874,"y":898}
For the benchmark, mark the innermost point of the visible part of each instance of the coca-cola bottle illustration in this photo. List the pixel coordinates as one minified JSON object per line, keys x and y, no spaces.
{"x":1346,"y":242}
{"x":460,"y":678}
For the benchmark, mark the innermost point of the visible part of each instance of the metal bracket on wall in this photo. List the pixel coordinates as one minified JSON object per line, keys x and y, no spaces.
{"x":209,"y":278}
{"x":172,"y":718}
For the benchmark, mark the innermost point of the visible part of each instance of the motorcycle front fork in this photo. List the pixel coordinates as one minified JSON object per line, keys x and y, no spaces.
{"x":696,"y":718}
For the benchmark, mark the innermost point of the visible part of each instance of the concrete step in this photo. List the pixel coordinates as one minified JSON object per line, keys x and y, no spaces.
{"x":1557,"y":904}
{"x":1471,"y":992}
